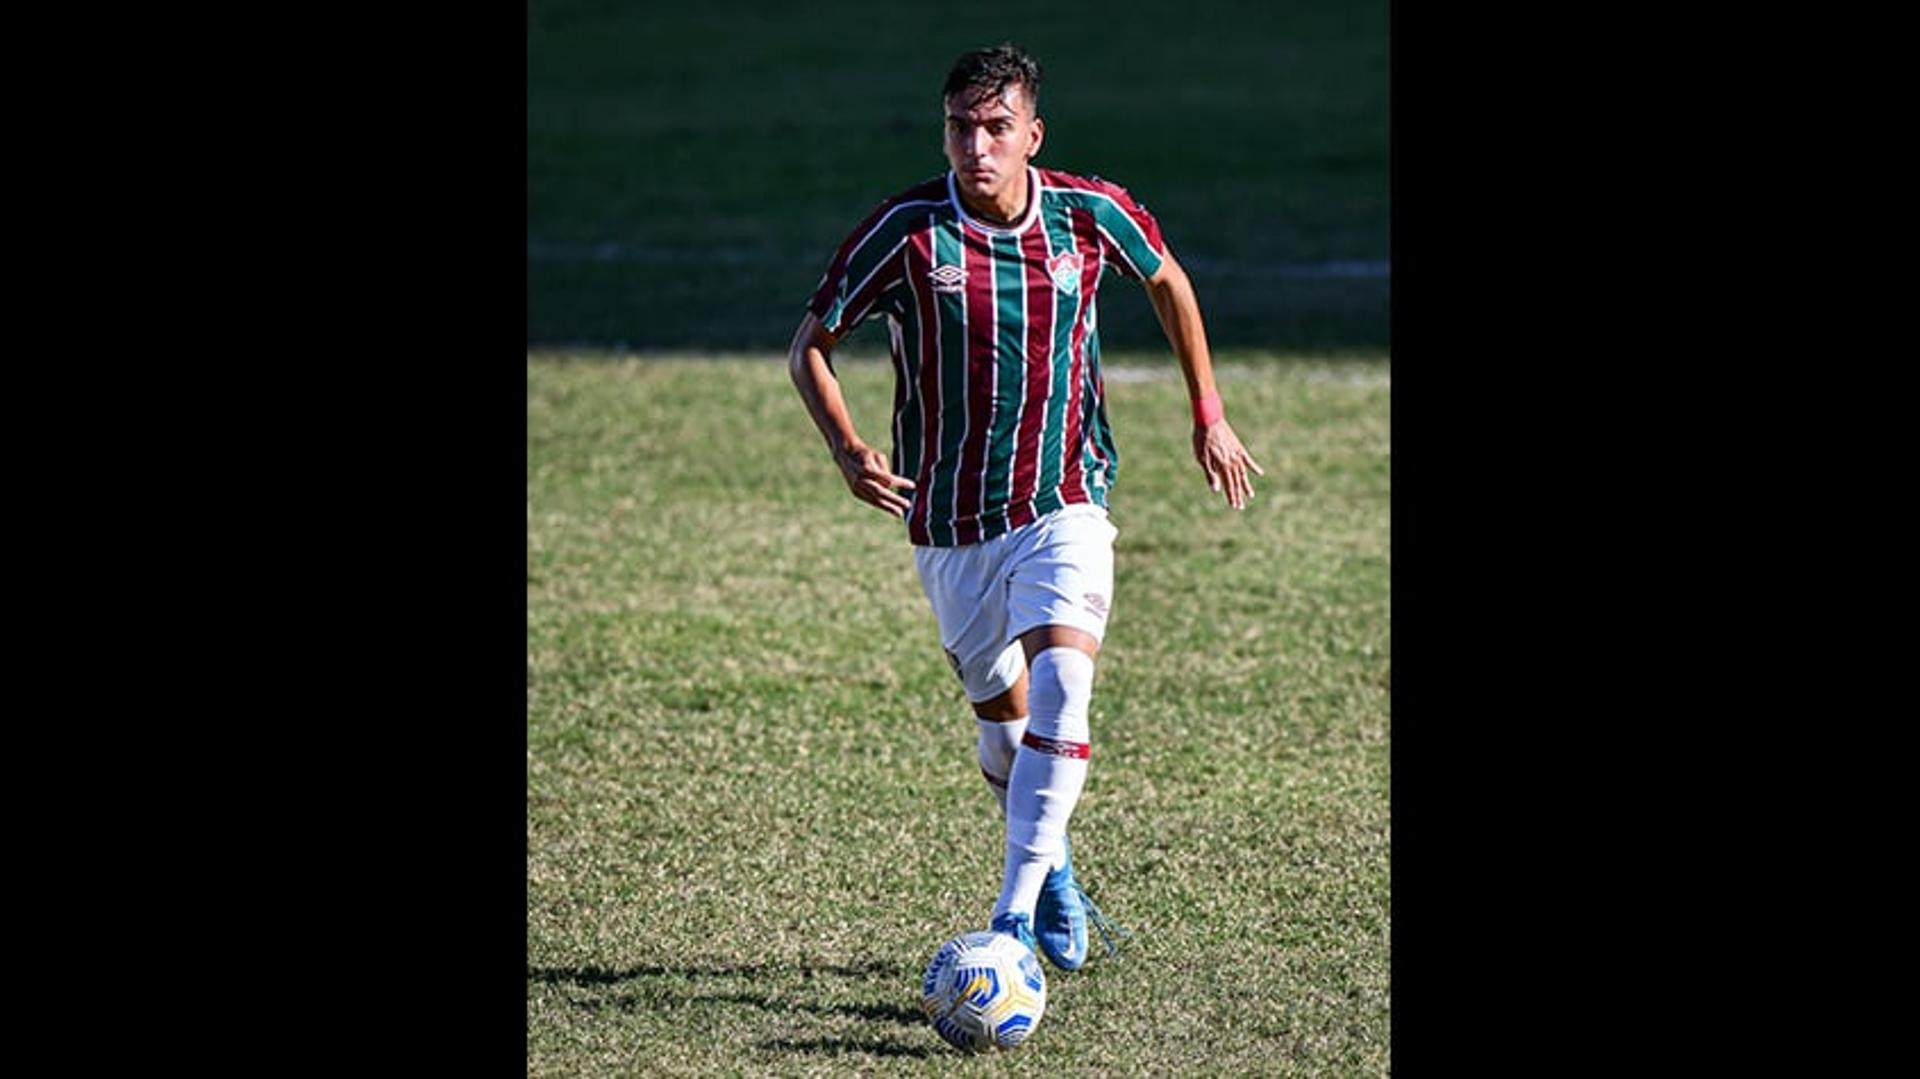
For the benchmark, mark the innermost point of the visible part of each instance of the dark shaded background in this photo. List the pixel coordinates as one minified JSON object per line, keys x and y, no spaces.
{"x":690,"y":169}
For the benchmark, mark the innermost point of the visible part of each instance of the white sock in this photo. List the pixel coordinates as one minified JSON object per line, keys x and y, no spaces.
{"x":1048,"y":774}
{"x":998,"y":741}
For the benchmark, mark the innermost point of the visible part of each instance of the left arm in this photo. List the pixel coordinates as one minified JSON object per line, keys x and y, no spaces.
{"x":1217,"y":449}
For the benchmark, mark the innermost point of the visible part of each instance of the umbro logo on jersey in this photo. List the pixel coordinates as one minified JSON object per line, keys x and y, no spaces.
{"x":1065,"y":268}
{"x":948,"y":278}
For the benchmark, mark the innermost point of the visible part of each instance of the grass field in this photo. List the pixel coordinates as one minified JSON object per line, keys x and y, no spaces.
{"x":752,"y":805}
{"x":691,"y":168}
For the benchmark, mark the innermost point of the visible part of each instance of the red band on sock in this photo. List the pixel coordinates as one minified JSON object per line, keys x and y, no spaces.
{"x":1056,"y":747}
{"x":1207,"y":410}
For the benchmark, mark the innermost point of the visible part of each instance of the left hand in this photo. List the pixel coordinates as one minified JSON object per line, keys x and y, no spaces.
{"x":1225,"y":461}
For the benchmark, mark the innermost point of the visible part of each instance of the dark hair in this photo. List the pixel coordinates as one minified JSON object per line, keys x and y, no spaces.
{"x":986,"y":73}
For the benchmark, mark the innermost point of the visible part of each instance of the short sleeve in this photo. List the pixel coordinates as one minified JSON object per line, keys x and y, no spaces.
{"x":868,"y":265}
{"x":1129,"y":236}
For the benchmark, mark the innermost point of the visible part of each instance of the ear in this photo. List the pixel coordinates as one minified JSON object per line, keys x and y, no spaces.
{"x":1039,"y":135}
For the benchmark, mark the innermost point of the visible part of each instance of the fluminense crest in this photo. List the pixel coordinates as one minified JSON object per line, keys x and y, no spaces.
{"x":1065,"y":268}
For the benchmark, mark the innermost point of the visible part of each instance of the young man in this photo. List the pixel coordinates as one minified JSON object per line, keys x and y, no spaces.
{"x":1002,"y":454}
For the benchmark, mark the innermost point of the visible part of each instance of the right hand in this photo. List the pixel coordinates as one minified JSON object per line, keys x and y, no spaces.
{"x":871,"y":481}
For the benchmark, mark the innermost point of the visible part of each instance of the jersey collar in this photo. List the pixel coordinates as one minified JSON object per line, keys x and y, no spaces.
{"x":1025,"y":223}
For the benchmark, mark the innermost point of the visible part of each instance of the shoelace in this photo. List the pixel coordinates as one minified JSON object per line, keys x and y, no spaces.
{"x":1110,"y":930}
{"x":1020,"y":930}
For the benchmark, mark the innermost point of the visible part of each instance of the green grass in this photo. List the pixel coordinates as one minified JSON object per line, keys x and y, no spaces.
{"x":752,"y":805}
{"x":727,"y":148}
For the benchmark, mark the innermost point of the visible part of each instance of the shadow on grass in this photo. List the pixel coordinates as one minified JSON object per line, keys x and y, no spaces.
{"x":882,"y":1013}
{"x":595,"y":975}
{"x":650,"y":987}
{"x":844,"y":1046}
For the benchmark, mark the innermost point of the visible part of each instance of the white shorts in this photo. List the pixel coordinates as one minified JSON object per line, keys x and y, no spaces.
{"x":1055,"y":571}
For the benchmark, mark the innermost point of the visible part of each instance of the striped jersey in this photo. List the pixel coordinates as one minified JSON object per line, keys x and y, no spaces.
{"x":999,"y":411}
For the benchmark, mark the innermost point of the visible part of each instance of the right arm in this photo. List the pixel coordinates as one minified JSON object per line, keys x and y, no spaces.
{"x":864,"y":468}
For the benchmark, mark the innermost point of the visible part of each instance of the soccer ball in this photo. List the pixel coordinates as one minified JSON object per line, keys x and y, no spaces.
{"x":984,"y":991}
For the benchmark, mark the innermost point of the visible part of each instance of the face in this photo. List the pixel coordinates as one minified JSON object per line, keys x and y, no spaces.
{"x":989,"y":141}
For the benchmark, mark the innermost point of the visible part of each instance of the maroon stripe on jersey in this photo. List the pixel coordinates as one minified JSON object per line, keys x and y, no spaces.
{"x":823,"y":297}
{"x":923,"y":298}
{"x":1055,"y":178}
{"x":1093,"y":442}
{"x":982,"y":316}
{"x":1118,"y":194}
{"x":897,"y":351}
{"x":883,"y":277}
{"x":1097,"y":385}
{"x":1073,"y":483}
{"x":1057,"y":747}
{"x":1080,"y":380}
{"x":1039,"y":362}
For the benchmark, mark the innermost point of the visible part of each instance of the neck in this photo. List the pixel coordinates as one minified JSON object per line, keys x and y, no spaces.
{"x":1008,"y":208}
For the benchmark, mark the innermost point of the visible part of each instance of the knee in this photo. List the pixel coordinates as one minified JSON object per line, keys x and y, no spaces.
{"x":1004,"y":708}
{"x":1062,"y":684}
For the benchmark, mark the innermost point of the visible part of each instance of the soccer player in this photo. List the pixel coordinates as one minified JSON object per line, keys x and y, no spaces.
{"x":1002,"y":453}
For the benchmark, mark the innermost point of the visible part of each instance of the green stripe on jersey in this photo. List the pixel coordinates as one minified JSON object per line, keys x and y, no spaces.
{"x":1054,"y":432}
{"x":949,"y":251}
{"x":1058,"y":221}
{"x":907,"y":448}
{"x":1010,"y":289}
{"x":1059,"y":225}
{"x":1098,"y":430}
{"x":1109,"y":216}
{"x":879,"y":244}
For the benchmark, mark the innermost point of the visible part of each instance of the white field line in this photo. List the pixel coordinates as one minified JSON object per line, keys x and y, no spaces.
{"x":1343,"y":374}
{"x":609,"y":251}
{"x":1360,"y":374}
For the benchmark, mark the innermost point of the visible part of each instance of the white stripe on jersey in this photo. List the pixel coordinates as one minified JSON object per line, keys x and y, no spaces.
{"x":1118,"y":248}
{"x":880,"y":224}
{"x":923,"y":493}
{"x":1020,"y":410}
{"x":993,"y":369}
{"x":896,"y":346}
{"x":1111,"y":201}
{"x":1115,"y":203}
{"x":966,"y":420}
{"x":885,"y":260}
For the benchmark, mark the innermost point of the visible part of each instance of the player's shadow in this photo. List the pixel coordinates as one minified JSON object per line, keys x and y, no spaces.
{"x":847,"y":1046}
{"x":598,"y":975}
{"x":648,"y":987}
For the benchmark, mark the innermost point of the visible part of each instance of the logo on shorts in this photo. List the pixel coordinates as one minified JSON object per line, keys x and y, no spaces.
{"x":1065,"y":268}
{"x":1097,"y":603}
{"x":948,"y":278}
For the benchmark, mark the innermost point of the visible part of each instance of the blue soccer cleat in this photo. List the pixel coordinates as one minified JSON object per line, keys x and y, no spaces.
{"x":1062,"y":913}
{"x":1016,"y":926}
